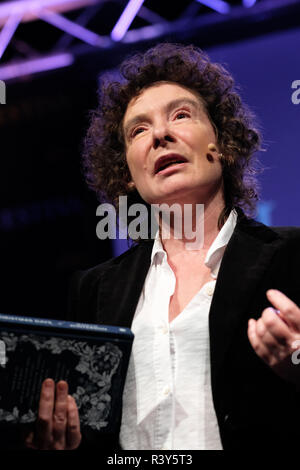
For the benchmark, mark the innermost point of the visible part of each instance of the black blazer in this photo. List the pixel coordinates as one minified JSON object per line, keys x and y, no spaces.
{"x":254,"y":407}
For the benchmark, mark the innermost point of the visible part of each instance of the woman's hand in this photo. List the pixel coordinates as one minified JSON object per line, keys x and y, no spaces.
{"x":57,"y":425}
{"x":275,"y":336}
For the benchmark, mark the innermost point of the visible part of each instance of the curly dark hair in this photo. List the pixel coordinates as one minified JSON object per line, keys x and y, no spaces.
{"x":104,"y":160}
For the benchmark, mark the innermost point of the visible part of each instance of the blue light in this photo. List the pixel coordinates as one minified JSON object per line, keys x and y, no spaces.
{"x":249,"y":3}
{"x":217,"y":5}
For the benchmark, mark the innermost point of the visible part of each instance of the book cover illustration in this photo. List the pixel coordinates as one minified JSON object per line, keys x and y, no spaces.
{"x":94,"y":366}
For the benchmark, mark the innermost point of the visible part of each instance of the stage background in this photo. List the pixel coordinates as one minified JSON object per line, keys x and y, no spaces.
{"x":47,"y":215}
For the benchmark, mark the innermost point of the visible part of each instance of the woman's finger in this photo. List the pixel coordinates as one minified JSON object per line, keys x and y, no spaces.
{"x":254,"y":335}
{"x":60,"y":416}
{"x":73,"y":425}
{"x":45,"y":414}
{"x":289,"y":311}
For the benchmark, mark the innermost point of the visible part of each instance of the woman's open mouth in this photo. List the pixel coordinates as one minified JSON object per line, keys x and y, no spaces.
{"x":171,"y":167}
{"x":169,"y":163}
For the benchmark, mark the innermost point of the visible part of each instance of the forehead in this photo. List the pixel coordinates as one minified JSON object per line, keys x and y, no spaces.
{"x":158,"y":95}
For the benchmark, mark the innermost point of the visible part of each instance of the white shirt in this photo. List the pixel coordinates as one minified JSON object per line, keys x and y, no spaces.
{"x":167,"y":399}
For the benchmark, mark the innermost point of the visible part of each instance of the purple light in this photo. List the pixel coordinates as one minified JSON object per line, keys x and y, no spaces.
{"x":8,"y":72}
{"x":126,"y":19}
{"x":147,"y":32}
{"x":249,"y":3}
{"x":72,"y":28}
{"x":28,"y":7}
{"x":8,"y":31}
{"x":217,"y":5}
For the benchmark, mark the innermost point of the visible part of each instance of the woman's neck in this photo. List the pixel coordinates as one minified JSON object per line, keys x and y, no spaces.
{"x":191,"y":228}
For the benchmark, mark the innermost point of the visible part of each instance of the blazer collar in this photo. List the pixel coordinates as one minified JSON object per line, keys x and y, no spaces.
{"x":245,"y":260}
{"x":121,"y":285}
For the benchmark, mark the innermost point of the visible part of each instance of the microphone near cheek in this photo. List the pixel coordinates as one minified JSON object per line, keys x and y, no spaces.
{"x":212,"y":148}
{"x":131,"y":186}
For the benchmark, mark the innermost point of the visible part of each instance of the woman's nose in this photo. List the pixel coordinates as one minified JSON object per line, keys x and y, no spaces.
{"x":162,"y":135}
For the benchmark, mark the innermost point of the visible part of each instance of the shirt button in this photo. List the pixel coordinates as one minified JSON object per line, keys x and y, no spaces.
{"x":164,"y":330}
{"x":167,"y":390}
{"x":210,"y":290}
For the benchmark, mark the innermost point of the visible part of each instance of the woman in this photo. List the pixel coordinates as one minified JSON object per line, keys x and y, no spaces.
{"x":211,"y":365}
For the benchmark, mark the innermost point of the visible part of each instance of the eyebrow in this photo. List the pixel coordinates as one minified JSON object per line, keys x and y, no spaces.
{"x":172,"y":104}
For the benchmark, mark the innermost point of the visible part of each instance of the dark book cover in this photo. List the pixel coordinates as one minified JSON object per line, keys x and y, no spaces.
{"x":93,"y":359}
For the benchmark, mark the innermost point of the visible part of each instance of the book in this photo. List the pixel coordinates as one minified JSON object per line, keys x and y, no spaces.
{"x":92,"y":358}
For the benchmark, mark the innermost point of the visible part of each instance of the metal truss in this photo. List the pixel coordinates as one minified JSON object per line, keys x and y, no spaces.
{"x":138,"y":21}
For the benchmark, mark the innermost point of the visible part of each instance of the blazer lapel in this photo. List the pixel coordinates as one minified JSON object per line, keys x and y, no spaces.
{"x":246,"y":258}
{"x":121,"y":285}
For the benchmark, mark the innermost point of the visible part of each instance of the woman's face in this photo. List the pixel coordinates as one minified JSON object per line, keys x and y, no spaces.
{"x":168,"y":120}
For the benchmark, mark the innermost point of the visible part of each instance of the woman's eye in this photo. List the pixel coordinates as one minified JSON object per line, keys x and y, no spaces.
{"x":182,"y":115}
{"x":136,"y":131}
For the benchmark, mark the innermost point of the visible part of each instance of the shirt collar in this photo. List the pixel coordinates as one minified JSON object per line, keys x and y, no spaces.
{"x":215,"y":252}
{"x":158,"y":251}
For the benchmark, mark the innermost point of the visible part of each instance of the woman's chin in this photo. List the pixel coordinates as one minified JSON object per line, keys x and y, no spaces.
{"x":178,"y":195}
